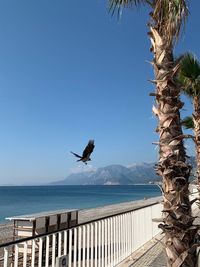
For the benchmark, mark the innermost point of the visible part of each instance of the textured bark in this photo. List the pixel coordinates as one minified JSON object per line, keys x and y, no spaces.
{"x":196,"y":119}
{"x":172,"y":167}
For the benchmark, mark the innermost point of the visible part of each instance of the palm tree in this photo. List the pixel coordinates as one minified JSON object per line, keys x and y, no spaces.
{"x":166,"y":20}
{"x":189,"y":77}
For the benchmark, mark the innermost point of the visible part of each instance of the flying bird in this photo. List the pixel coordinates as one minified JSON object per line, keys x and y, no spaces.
{"x":86,"y":152}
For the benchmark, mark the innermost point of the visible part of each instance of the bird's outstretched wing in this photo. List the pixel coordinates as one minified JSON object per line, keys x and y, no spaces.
{"x":89,"y":148}
{"x":76,"y":155}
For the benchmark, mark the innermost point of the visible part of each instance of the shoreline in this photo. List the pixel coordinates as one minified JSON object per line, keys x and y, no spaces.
{"x":86,"y":215}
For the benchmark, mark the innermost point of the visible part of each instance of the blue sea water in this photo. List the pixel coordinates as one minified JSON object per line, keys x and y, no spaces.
{"x":19,"y":200}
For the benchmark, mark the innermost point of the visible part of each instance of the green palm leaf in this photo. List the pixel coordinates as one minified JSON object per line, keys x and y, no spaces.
{"x":119,"y":5}
{"x":188,"y":123}
{"x":189,"y":75}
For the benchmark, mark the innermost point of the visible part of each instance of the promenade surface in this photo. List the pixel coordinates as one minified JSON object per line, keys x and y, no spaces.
{"x":152,"y":254}
{"x":149,"y":255}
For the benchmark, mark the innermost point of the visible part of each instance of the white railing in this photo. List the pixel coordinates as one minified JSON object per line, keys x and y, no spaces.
{"x":99,"y":243}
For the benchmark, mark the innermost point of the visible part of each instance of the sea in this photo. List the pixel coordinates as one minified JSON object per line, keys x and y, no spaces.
{"x":20,"y":200}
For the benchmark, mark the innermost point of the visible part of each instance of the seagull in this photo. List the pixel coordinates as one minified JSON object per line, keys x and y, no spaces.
{"x":86,"y":152}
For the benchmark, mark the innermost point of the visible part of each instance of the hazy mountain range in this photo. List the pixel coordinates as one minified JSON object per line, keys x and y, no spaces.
{"x":115,"y":174}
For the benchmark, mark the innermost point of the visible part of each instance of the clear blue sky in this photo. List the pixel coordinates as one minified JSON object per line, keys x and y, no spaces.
{"x":69,"y":72}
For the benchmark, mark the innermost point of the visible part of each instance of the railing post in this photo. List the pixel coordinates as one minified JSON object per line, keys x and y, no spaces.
{"x":106,"y":242}
{"x":33,"y":254}
{"x":111,"y":240}
{"x":47,"y":252}
{"x":65,"y":242}
{"x":99,"y":243}
{"x":75,"y":247}
{"x":40,"y":252}
{"x":25,"y":254}
{"x":53,"y":250}
{"x":88,"y":245}
{"x":16,"y":249}
{"x":95,"y":243}
{"x":59,"y":243}
{"x":114,"y":240}
{"x":102,"y":244}
{"x":5,"y":263}
{"x":83,"y":245}
{"x":70,"y":248}
{"x":79,"y":246}
{"x":91,"y":244}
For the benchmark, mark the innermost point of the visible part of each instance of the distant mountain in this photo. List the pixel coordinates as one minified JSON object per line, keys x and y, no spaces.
{"x":144,"y":172}
{"x":117,"y":174}
{"x":113,"y":174}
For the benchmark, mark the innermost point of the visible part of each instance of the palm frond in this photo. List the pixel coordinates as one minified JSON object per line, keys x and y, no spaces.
{"x":188,"y":123}
{"x":119,"y":5}
{"x":170,"y":16}
{"x":189,"y":75}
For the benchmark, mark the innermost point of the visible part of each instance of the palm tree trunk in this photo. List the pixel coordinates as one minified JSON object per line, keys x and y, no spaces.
{"x":196,"y":119}
{"x":172,"y":166}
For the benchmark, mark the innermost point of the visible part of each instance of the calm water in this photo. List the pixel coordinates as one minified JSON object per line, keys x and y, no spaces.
{"x":19,"y":200}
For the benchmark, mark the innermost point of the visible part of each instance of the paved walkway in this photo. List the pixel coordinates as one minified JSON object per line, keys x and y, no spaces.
{"x":149,"y":255}
{"x":152,"y":254}
{"x":154,"y":257}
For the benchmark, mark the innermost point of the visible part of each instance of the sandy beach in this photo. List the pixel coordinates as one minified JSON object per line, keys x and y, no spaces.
{"x":6,"y":232}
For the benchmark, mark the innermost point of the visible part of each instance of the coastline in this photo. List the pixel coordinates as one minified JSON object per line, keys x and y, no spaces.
{"x":85,"y":215}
